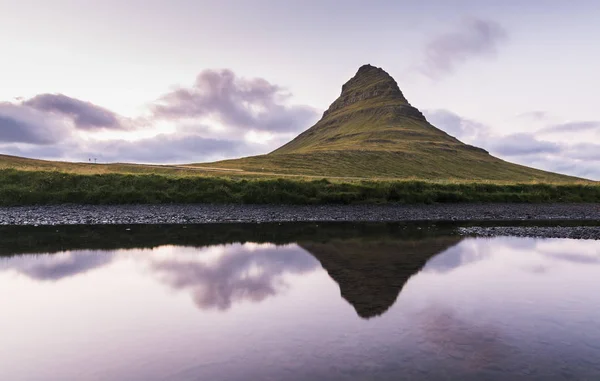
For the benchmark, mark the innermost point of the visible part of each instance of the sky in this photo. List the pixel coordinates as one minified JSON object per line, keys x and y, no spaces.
{"x":185,"y":81}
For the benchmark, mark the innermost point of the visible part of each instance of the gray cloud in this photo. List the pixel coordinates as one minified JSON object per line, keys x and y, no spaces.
{"x":585,"y":151}
{"x":481,"y":135}
{"x":161,"y":149}
{"x":85,"y":115}
{"x":49,"y":151}
{"x":571,"y":127}
{"x":20,"y":124}
{"x":562,"y":163}
{"x":580,"y":160}
{"x":474,"y":38}
{"x":17,"y":131}
{"x":236,"y":102}
{"x":168,"y":149}
{"x":455,"y":125}
{"x":522,"y":144}
{"x":48,"y":119}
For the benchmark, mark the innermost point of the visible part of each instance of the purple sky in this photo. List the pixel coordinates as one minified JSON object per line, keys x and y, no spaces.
{"x":192,"y":81}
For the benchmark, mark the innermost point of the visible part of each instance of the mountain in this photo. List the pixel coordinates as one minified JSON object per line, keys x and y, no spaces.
{"x":372,"y":130}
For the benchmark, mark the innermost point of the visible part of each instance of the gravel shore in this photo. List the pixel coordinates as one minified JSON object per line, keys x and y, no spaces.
{"x":199,"y":214}
{"x":572,"y":232}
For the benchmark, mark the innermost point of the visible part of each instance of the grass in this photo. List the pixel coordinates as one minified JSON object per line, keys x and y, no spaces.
{"x":441,"y":166}
{"x":52,"y":187}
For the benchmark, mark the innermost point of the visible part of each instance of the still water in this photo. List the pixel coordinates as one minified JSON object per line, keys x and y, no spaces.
{"x":295,"y":302}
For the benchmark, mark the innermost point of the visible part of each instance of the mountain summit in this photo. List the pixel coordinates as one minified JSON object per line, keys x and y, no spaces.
{"x":371,"y":114}
{"x":368,"y":83}
{"x":371,"y":130}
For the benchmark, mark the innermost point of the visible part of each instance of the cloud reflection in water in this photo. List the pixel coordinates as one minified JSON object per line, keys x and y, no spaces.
{"x":240,"y":272}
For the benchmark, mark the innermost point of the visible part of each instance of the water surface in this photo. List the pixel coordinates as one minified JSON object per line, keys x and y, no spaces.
{"x":296,"y":302}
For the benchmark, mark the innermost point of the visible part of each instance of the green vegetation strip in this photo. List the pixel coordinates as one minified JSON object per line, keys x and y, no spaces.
{"x":35,"y":188}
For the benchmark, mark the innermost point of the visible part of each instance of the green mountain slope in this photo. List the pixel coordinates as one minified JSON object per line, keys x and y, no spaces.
{"x":371,"y":130}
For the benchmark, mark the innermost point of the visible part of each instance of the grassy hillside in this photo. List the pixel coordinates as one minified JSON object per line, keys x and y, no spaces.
{"x":371,"y":131}
{"x":398,"y":165}
{"x":27,"y":164}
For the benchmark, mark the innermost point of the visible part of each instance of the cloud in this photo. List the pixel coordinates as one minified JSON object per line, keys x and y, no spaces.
{"x":20,"y":124}
{"x":221,"y":116}
{"x":238,"y":274}
{"x":534,"y":115}
{"x":584,"y":151}
{"x":246,"y":104}
{"x":85,"y":115}
{"x":459,"y":127}
{"x":474,"y":38}
{"x":570,"y":127}
{"x":563,"y":163}
{"x":483,"y":136}
{"x":55,"y":267}
{"x":160,"y":149}
{"x":581,"y":160}
{"x":48,"y":119}
{"x":522,"y":144}
{"x":168,"y":148}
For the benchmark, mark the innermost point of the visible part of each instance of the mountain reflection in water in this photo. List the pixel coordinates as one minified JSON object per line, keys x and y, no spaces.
{"x":370,"y":263}
{"x":295,"y":302}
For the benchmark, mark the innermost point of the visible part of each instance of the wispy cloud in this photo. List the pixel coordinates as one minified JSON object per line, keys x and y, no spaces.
{"x":444,"y":53}
{"x":534,"y":115}
{"x":571,"y":127}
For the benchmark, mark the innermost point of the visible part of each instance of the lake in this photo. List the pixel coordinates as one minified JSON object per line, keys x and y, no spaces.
{"x":295,"y":302}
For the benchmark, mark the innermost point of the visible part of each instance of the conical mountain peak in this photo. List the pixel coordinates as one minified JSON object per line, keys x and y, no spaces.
{"x":372,"y":78}
{"x":370,"y":86}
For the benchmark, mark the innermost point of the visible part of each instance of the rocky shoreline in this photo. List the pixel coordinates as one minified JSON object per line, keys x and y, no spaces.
{"x":202,"y":214}
{"x":571,"y":232}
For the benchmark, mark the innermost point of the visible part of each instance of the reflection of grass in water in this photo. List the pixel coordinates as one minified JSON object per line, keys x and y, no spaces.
{"x":50,"y":239}
{"x":48,"y":187}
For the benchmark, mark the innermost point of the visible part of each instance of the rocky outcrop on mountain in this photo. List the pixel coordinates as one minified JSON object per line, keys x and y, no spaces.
{"x":373,"y":83}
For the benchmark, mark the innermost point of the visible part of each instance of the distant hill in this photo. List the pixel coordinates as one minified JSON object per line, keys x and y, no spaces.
{"x":371,"y":130}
